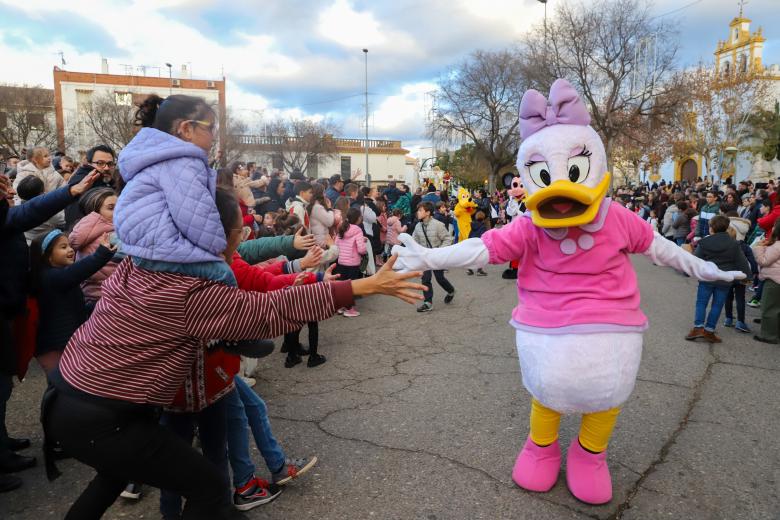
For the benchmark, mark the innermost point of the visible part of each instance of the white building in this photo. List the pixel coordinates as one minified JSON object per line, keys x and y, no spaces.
{"x":73,"y":91}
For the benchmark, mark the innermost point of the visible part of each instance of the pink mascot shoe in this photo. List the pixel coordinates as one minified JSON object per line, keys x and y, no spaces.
{"x":537,"y":467}
{"x":587,"y":475}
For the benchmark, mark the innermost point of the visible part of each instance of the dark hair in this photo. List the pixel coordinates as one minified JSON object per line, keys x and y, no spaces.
{"x":397,"y":213}
{"x":224,"y":178}
{"x":273,"y":187}
{"x":39,"y":261}
{"x":235,"y":166}
{"x":93,"y":199}
{"x":227,"y":207}
{"x":682,"y":205}
{"x":352,"y":217}
{"x":479,"y":216}
{"x":317,"y":195}
{"x":29,"y":187}
{"x":719,"y":223}
{"x":775,"y":236}
{"x":342,"y":204}
{"x":286,"y":224}
{"x":351,"y":188}
{"x":431,"y":188}
{"x":427,"y":206}
{"x":99,"y":148}
{"x":335,"y":179}
{"x":166,"y":114}
{"x":302,"y":186}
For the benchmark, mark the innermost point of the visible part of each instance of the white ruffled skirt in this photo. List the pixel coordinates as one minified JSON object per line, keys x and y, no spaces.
{"x":579,"y":373}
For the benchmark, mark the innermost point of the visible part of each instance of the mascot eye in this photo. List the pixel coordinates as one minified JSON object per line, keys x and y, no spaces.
{"x":579,"y":167}
{"x":540,"y":174}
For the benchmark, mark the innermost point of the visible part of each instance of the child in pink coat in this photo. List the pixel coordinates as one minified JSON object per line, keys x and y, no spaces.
{"x":98,"y":205}
{"x":352,"y":245}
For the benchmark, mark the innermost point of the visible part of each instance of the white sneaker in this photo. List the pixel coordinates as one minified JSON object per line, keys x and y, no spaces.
{"x":250,"y":381}
{"x":132,"y":491}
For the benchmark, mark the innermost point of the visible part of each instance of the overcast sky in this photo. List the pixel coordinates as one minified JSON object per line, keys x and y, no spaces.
{"x":304,"y":57}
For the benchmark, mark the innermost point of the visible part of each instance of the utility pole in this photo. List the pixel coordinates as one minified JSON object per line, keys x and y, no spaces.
{"x":545,"y":25}
{"x":368,"y":175}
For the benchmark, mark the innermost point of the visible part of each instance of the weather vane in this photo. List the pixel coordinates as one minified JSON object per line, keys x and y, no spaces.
{"x":741,"y":6}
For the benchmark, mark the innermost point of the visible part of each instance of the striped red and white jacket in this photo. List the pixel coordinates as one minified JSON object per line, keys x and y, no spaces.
{"x":143,"y":336}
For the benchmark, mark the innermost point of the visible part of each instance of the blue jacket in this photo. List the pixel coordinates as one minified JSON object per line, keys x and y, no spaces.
{"x":167,"y":211}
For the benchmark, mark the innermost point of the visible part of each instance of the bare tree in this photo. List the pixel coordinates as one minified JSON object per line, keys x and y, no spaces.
{"x":617,"y":55}
{"x":111,"y":117}
{"x":718,"y":115}
{"x":297,"y":141}
{"x":478,"y":103}
{"x":465,"y":165}
{"x":236,"y":140}
{"x":26,"y":118}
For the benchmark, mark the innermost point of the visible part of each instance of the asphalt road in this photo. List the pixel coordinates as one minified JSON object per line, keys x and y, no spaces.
{"x":421,"y":417}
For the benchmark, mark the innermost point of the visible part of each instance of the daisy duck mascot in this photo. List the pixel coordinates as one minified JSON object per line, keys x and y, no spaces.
{"x":578,"y":322}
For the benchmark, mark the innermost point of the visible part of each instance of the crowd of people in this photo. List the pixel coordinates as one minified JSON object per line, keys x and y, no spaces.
{"x":735,"y":226}
{"x":145,"y":284}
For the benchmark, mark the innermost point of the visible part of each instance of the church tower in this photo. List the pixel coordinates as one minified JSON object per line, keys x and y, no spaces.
{"x":742,"y":52}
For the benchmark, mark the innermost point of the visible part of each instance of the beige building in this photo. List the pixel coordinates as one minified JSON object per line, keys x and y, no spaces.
{"x":73,"y":91}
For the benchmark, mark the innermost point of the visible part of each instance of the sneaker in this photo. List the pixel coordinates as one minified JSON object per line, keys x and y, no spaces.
{"x":341,"y":310}
{"x":352,"y":312}
{"x":480,"y":272}
{"x":250,"y":381}
{"x":712,"y":337}
{"x":255,"y":493}
{"x":292,"y":360}
{"x":695,"y":333}
{"x":292,"y":469}
{"x":132,"y":491}
{"x":754,"y":303}
{"x":469,"y":272}
{"x":315,"y":360}
{"x":742,"y":327}
{"x":728,"y":322}
{"x":425,"y":307}
{"x":449,"y":297}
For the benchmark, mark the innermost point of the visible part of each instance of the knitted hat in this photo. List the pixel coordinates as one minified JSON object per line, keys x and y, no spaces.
{"x":740,"y":226}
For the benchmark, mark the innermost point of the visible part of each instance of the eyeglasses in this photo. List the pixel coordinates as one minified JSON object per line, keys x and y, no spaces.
{"x":104,"y":164}
{"x":211,"y":127}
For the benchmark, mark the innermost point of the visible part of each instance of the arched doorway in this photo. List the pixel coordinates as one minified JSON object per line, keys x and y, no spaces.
{"x":689,"y":171}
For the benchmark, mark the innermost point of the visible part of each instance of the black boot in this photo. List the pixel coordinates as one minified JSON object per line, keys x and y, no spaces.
{"x":9,"y":483}
{"x":18,"y":444}
{"x":509,"y":274}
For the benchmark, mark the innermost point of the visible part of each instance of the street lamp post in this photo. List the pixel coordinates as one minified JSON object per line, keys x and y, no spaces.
{"x":545,"y":24}
{"x":368,"y":175}
{"x":170,"y":78}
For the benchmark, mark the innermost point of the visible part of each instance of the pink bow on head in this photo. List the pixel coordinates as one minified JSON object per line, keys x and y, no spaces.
{"x":565,"y":108}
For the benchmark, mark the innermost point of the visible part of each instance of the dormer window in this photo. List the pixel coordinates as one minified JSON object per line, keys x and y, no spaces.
{"x":736,"y":33}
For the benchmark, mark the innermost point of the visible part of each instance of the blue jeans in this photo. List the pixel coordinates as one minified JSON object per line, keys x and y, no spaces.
{"x":212,"y":429}
{"x":706,"y":291}
{"x":246,"y":409}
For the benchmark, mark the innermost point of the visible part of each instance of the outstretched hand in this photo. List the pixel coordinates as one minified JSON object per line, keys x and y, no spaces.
{"x":86,"y":183}
{"x":389,"y":282}
{"x":301,"y":242}
{"x":411,"y":256}
{"x":329,"y":276}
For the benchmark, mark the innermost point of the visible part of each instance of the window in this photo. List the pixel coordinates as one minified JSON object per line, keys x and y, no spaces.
{"x":726,"y":68}
{"x":312,"y":166}
{"x":743,"y":63}
{"x":35,"y":120}
{"x":346,"y":168}
{"x":123,"y":98}
{"x":277,"y":163}
{"x":736,"y":34}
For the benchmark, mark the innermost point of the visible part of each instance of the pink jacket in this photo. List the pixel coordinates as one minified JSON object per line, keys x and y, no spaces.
{"x":575,"y":279}
{"x":768,"y":259}
{"x":394,"y":228}
{"x":85,"y":239}
{"x":351,"y":246}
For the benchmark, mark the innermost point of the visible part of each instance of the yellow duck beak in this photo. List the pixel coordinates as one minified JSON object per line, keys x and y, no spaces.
{"x":566,"y":204}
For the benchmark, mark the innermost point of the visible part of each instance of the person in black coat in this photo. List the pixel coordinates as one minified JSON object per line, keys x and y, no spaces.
{"x":100,"y":158}
{"x":14,"y":275}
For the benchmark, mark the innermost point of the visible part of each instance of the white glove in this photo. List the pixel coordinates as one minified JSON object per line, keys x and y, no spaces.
{"x":470,"y":253}
{"x":664,"y":252}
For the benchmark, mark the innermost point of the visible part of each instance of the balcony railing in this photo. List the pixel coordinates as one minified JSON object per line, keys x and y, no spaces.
{"x":272,"y":140}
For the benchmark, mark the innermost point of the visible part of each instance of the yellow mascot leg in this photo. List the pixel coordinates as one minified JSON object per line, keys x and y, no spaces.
{"x":544,"y":424}
{"x":596,"y":429}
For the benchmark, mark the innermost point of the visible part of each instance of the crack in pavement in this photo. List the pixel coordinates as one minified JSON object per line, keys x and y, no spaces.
{"x":677,"y":385}
{"x":662,"y":454}
{"x":731,"y":363}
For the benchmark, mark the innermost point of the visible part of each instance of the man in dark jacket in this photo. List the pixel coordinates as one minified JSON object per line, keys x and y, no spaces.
{"x":14,"y":267}
{"x":102,"y":159}
{"x":726,"y":253}
{"x":391,"y":193}
{"x":334,"y":190}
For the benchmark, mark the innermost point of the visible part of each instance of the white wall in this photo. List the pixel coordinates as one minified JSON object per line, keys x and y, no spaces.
{"x":382,"y":167}
{"x":79,"y":141}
